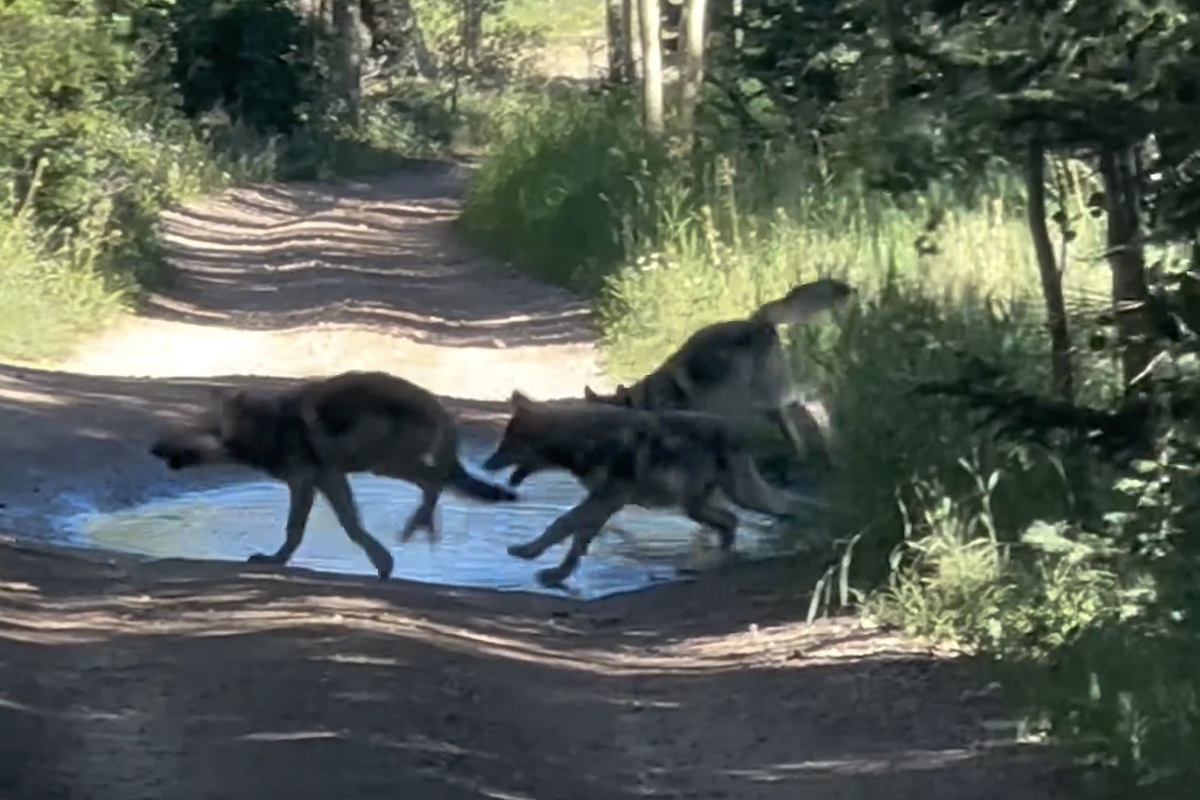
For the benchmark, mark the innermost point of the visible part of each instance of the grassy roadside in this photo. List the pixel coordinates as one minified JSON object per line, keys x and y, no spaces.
{"x":943,"y":529}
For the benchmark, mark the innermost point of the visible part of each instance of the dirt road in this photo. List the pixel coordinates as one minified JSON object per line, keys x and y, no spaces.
{"x":127,"y":681}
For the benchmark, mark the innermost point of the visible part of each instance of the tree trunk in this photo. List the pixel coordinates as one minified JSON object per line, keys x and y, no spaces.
{"x":346,"y":25}
{"x":617,"y":26}
{"x":1126,"y":259}
{"x":472,"y":33}
{"x":1051,"y":275}
{"x":693,"y":31}
{"x":629,"y":26}
{"x":650,"y":19}
{"x":739,"y":29}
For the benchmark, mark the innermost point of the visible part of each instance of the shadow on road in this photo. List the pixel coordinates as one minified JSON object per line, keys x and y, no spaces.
{"x":205,"y":681}
{"x":376,"y":254}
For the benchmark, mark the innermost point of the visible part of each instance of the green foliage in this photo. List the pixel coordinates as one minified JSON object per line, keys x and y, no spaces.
{"x":501,"y":52}
{"x":1009,"y":547}
{"x":560,"y":20}
{"x":87,"y":159}
{"x":48,"y":297}
{"x":253,"y":59}
{"x":561,"y":190}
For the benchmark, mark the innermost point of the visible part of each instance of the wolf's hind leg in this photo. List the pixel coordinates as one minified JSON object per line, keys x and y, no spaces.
{"x":424,"y":517}
{"x":702,"y":508}
{"x":336,"y":489}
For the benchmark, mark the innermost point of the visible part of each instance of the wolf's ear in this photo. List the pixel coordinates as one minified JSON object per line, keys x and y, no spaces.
{"x":589,"y":395}
{"x":519,"y":400}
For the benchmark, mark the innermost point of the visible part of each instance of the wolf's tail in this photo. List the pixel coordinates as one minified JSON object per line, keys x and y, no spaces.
{"x":467,"y":484}
{"x":804,"y":302}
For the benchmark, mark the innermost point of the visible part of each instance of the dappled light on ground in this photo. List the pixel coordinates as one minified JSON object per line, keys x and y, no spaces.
{"x":231,"y":681}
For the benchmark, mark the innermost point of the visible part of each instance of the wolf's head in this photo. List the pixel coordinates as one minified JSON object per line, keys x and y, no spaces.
{"x":523,"y":445}
{"x":225,"y":431}
{"x":192,"y":444}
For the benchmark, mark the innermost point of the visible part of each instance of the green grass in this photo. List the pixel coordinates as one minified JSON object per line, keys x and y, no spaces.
{"x":62,"y":282}
{"x":47,"y":299}
{"x":564,"y":21}
{"x":944,"y":530}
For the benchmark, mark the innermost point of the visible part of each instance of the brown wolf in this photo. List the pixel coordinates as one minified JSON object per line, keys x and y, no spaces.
{"x":313,"y":435}
{"x":623,"y":456}
{"x":737,"y":367}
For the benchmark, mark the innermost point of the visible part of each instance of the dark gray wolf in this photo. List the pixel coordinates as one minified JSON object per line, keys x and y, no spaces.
{"x":313,"y":435}
{"x":623,"y":456}
{"x":738,"y":367}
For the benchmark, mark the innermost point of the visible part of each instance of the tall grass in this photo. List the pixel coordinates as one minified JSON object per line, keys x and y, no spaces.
{"x":48,"y":297}
{"x":562,"y":188}
{"x":955,"y":533}
{"x":59,"y":281}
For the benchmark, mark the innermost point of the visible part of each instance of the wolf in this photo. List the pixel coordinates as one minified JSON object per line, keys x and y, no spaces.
{"x":625,"y":456}
{"x":313,"y":435}
{"x":736,"y":367}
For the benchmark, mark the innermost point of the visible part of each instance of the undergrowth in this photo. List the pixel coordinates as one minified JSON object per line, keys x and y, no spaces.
{"x":944,"y":529}
{"x":112,"y":117}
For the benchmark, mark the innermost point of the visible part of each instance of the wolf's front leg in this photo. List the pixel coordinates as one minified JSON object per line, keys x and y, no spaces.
{"x":300,"y":502}
{"x":560,"y":528}
{"x":585,"y":522}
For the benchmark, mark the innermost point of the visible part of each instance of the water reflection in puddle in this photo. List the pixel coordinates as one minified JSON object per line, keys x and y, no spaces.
{"x":234,"y":521}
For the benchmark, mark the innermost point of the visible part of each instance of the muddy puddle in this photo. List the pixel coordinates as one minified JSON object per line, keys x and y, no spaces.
{"x":639,"y":548}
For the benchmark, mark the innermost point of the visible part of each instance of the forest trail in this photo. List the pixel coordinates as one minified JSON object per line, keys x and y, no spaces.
{"x":122,"y":680}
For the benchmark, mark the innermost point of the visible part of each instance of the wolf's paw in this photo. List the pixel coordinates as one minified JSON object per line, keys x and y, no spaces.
{"x":527,"y":551}
{"x":552,"y":577}
{"x":264,"y":558}
{"x":432,"y":533}
{"x":384,"y":564}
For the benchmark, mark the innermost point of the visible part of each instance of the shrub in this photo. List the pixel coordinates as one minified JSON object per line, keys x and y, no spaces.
{"x":87,"y":160}
{"x":562,"y":189}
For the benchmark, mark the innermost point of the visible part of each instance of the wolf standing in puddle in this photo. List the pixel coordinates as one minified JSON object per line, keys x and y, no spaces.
{"x":622,"y":456}
{"x":312,"y":436}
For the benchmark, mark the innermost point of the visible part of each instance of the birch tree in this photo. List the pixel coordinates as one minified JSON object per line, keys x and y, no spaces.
{"x":650,"y":19}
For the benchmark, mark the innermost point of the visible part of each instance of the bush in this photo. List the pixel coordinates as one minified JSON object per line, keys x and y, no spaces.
{"x":252,"y":59}
{"x":87,"y":160}
{"x":561,"y":190}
